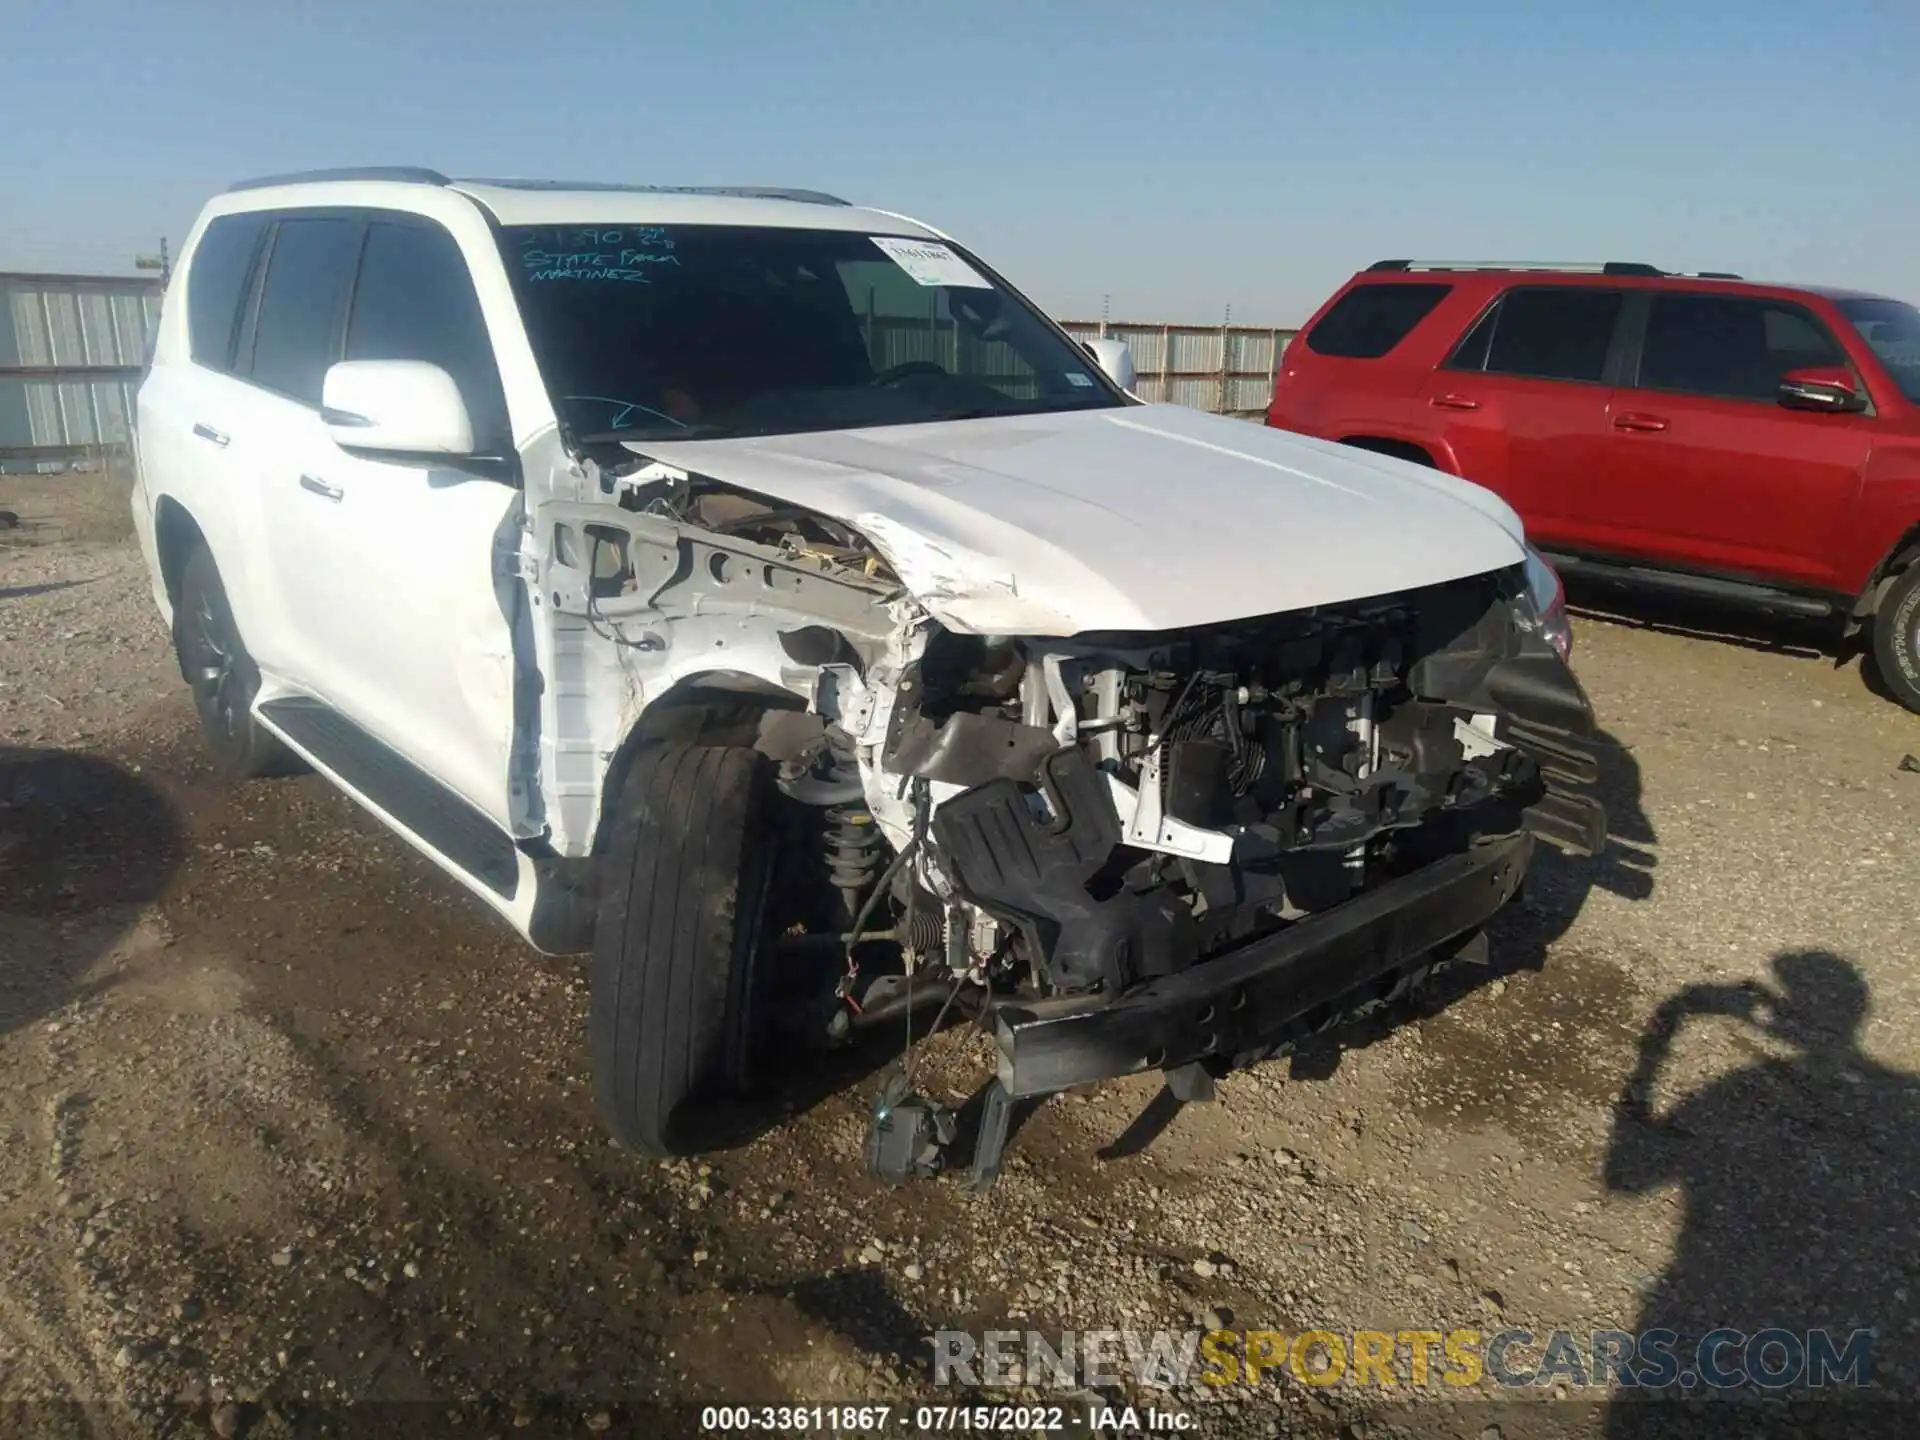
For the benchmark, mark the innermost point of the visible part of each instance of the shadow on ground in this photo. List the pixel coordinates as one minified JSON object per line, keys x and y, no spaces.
{"x":1557,"y":890}
{"x":1799,"y":1174}
{"x":27,"y":592}
{"x":83,"y":842}
{"x":1703,"y":619}
{"x":860,"y":1306}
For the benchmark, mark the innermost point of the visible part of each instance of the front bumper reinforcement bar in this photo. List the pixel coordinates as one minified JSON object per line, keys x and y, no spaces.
{"x":1258,"y":996}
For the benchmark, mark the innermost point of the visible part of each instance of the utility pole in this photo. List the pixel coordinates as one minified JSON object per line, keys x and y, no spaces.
{"x":1226,"y":360}
{"x":161,"y":262}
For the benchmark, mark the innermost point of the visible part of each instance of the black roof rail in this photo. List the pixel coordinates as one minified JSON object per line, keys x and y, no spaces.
{"x":773,"y":192}
{"x":1609,"y":267}
{"x":745,"y":192}
{"x":405,"y":174}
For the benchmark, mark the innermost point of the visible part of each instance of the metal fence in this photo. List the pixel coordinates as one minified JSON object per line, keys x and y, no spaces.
{"x":71,"y":352}
{"x":893,"y":341}
{"x":1228,"y":369}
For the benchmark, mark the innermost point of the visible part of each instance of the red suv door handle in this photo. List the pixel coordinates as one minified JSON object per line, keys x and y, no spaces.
{"x":1645,"y":423}
{"x":1454,"y":402}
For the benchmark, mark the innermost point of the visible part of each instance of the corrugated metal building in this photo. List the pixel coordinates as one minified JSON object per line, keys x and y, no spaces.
{"x":71,"y":351}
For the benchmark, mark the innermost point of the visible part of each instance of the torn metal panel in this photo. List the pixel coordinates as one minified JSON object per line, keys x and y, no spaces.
{"x":628,"y":606}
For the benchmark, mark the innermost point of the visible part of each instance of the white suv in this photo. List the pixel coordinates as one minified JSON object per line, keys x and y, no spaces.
{"x":757,"y":591}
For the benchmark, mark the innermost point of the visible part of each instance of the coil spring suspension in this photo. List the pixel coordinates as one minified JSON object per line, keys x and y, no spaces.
{"x":853,"y":852}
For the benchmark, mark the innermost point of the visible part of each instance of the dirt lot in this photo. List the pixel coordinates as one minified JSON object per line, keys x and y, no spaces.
{"x":287,"y":1121}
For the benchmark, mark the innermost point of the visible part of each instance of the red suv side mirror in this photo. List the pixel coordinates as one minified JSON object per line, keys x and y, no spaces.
{"x":1821,"y":387}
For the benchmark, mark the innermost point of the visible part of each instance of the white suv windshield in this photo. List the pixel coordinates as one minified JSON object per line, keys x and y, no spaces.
{"x":1892,"y":328}
{"x":707,"y":331}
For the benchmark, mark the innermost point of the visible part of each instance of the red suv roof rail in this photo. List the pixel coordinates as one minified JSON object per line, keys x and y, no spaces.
{"x":1606,"y":267}
{"x":1602,"y":267}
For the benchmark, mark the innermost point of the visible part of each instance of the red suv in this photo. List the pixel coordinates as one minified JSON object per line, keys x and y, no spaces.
{"x":1694,"y":433}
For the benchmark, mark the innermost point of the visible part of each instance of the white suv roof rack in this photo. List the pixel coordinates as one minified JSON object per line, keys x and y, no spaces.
{"x":742,"y":192}
{"x":404,"y":174}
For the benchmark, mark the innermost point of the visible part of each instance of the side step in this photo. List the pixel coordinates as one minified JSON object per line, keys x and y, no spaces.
{"x":1680,"y":582}
{"x":406,"y":792}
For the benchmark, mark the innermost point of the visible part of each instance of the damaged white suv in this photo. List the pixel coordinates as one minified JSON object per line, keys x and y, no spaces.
{"x":758,"y":592}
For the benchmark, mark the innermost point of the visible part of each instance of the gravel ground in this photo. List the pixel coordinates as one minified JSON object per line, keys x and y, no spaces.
{"x":288,"y":1122}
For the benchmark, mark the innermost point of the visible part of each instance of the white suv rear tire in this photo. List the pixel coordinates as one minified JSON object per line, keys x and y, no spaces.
{"x":216,"y":666}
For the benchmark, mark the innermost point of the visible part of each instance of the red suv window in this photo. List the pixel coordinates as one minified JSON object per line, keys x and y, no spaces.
{"x":1369,"y":320}
{"x":1892,"y":328}
{"x":1730,"y":345}
{"x":1546,"y":332}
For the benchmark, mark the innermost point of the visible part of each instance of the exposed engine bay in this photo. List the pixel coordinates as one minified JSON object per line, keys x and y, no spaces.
{"x":1128,"y":805}
{"x":1025,"y":828}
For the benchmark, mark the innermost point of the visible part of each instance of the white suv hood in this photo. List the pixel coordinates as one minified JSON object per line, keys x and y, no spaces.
{"x":1146,"y":518}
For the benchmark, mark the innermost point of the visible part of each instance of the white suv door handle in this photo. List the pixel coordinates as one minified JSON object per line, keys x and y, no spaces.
{"x":321,"y":487}
{"x":207,"y":432}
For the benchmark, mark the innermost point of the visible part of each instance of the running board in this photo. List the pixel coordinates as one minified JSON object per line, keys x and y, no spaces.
{"x":452,"y":826}
{"x":1678,"y":582}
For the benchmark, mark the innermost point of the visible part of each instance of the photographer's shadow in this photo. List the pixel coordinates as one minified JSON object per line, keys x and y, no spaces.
{"x":1799,"y":1174}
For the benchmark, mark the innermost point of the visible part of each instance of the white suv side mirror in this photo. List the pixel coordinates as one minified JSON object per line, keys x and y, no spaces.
{"x":395,"y":407}
{"x":1115,"y":359}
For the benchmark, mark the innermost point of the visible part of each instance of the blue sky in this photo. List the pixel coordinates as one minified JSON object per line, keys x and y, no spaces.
{"x":1180,"y":159}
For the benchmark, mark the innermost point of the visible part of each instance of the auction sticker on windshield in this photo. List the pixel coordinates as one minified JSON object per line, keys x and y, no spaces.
{"x":930,"y":263}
